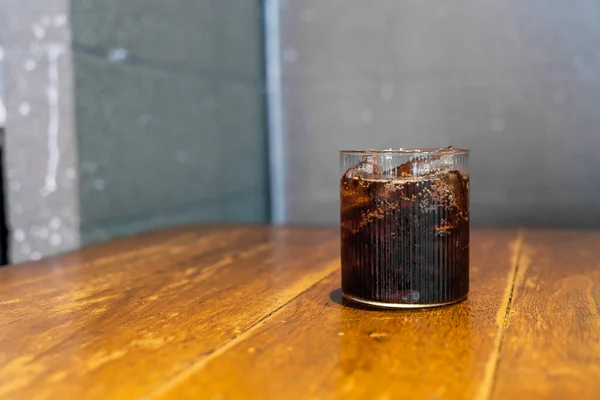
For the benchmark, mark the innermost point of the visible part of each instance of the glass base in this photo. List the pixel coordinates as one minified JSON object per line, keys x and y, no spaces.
{"x":399,"y":305}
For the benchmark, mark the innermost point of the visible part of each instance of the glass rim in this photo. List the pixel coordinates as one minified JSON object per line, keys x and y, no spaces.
{"x":402,"y":151}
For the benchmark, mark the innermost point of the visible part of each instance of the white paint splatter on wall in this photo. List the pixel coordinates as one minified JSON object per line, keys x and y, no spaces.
{"x":2,"y":113}
{"x":24,"y":108}
{"x":44,"y":181}
{"x":54,"y":51}
{"x":117,"y":55}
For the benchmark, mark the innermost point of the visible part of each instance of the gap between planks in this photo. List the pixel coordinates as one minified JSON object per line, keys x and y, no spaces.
{"x":519,"y":264}
{"x":171,"y":383}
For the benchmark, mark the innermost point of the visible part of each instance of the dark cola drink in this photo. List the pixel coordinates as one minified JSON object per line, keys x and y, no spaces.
{"x":405,"y":227}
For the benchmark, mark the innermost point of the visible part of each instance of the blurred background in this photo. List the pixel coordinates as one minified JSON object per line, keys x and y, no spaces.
{"x":122,"y":116}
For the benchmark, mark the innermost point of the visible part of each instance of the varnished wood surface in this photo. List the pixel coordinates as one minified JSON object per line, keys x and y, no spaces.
{"x":255,"y":313}
{"x":552,"y":344}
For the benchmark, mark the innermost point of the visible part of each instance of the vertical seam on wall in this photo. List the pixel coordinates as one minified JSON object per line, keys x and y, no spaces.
{"x":275,"y":119}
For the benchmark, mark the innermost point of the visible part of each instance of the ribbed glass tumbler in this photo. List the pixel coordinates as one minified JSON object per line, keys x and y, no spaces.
{"x":405,"y":226}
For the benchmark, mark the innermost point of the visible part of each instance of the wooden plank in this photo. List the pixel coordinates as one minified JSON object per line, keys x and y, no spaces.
{"x":113,"y":321}
{"x":551,"y":349}
{"x":317,"y":348}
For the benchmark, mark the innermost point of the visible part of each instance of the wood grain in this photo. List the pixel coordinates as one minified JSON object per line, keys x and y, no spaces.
{"x":118,"y":320}
{"x":316,"y":348}
{"x":552,"y":345}
{"x":254,"y":312}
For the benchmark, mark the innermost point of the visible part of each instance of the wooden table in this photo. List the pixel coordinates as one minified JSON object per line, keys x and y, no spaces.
{"x":255,"y":313}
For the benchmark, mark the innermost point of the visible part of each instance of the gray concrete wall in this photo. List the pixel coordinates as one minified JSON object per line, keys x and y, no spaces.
{"x":170,"y":114}
{"x":126,"y":116}
{"x":40,"y":142}
{"x":517,"y":82}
